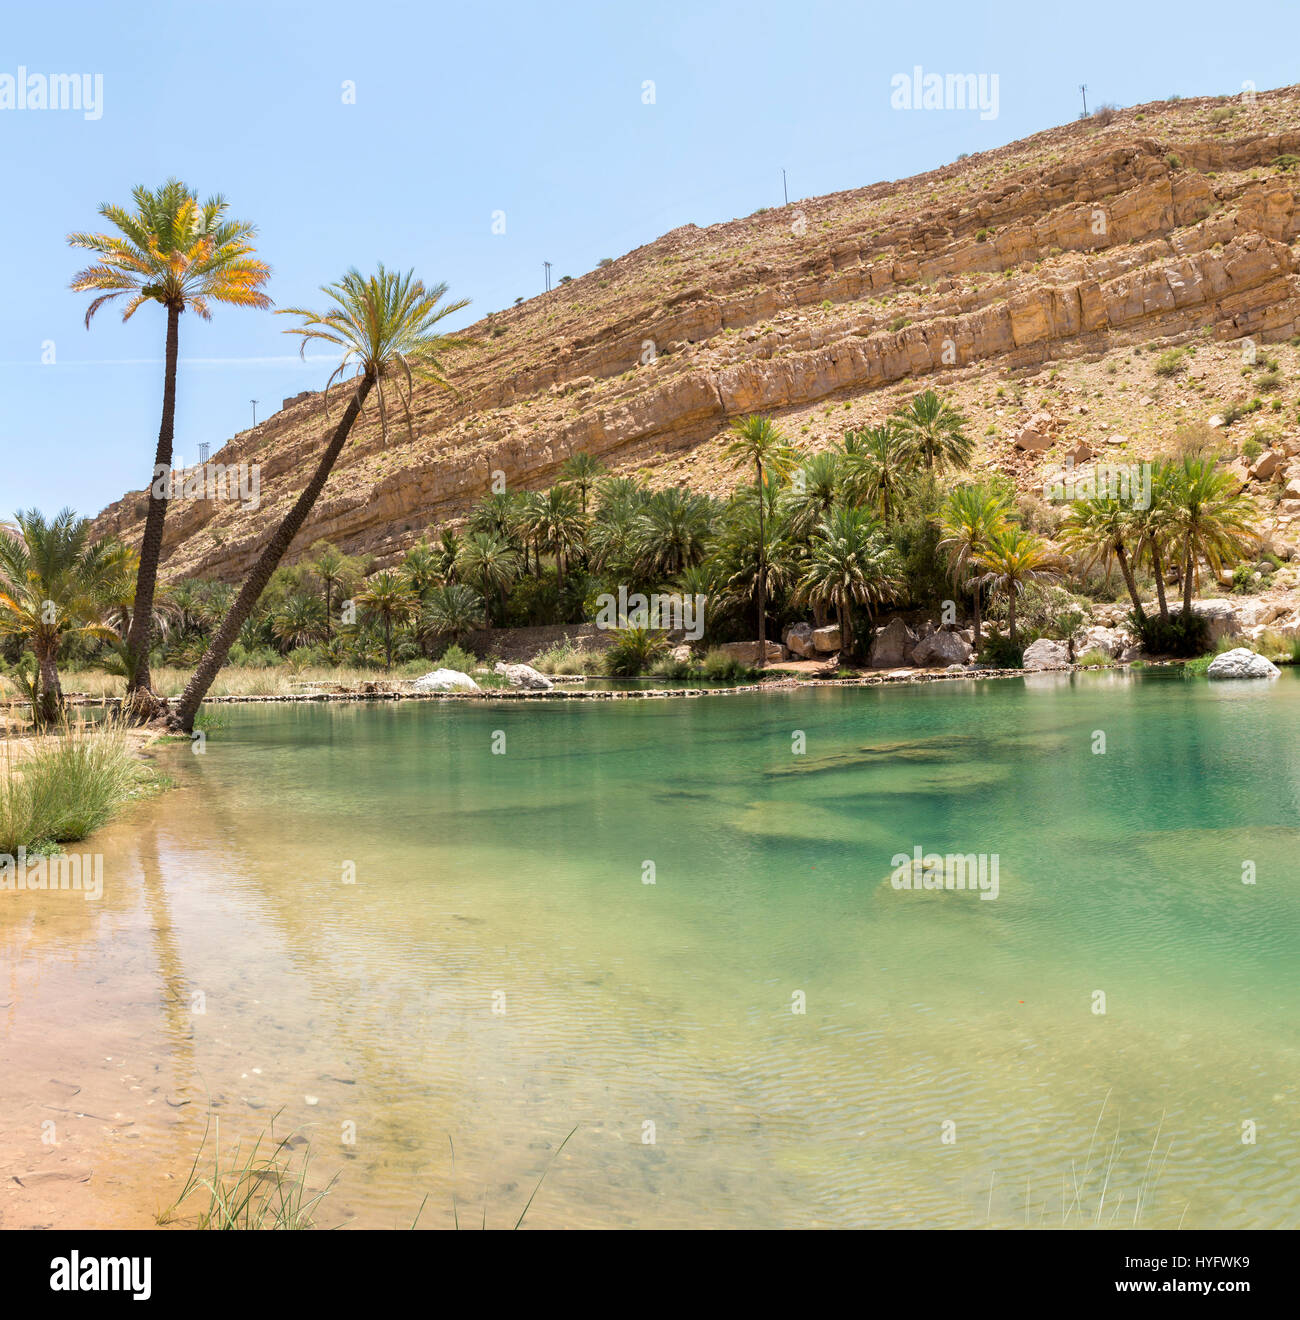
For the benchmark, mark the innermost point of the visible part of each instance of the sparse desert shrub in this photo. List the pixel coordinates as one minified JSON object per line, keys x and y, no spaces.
{"x":1171,"y":363}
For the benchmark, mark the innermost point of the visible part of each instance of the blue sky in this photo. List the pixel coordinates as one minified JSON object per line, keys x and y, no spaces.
{"x":461,"y":111}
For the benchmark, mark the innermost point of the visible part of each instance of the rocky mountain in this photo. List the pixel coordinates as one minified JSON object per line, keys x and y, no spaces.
{"x":1038,"y":284}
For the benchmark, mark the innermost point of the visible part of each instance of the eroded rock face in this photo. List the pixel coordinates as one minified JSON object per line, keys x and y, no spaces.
{"x":1241,"y":663}
{"x":1046,"y":654}
{"x":799,"y":641}
{"x":892,"y":646}
{"x":1110,"y":641}
{"x":445,"y":680}
{"x":941,"y":648}
{"x":524,"y":676}
{"x":789,"y":324}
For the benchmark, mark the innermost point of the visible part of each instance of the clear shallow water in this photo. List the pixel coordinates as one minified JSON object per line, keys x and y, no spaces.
{"x":515,"y":882}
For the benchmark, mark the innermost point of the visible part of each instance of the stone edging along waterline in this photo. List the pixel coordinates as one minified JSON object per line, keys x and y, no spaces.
{"x":626,"y":694}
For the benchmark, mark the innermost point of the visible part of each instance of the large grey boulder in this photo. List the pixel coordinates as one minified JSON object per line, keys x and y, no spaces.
{"x":799,"y":640}
{"x":941,"y":648}
{"x":1046,"y":654}
{"x":524,"y":676}
{"x":445,"y":680}
{"x":826,"y":640}
{"x":892,"y":646}
{"x":1241,"y":663}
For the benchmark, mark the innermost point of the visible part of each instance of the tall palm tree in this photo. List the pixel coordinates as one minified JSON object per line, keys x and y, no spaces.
{"x":747,"y":563}
{"x":581,"y":471}
{"x":849,"y":562}
{"x":421,"y":567}
{"x":55,"y":582}
{"x":760,"y":443}
{"x":1097,"y":530}
{"x":972,"y":517}
{"x":878,"y":467}
{"x":1012,"y":559}
{"x":490,"y":564}
{"x":331,"y":566}
{"x":389,"y":595}
{"x":299,"y":621}
{"x":561,"y":525}
{"x":671,"y":532}
{"x":935,"y":431}
{"x":1210,"y":518}
{"x":171,"y":250}
{"x":386,"y":327}
{"x":814,"y":487}
{"x":452,"y":610}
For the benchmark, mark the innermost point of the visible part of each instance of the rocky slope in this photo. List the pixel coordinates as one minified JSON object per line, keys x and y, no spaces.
{"x":1030,"y":282}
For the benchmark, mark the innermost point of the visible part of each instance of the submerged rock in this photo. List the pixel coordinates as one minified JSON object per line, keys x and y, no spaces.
{"x":1241,"y":663}
{"x":445,"y":680}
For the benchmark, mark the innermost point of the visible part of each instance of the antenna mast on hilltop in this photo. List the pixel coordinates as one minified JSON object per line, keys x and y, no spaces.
{"x":254,"y":403}
{"x":784,"y":189}
{"x":1083,"y":88}
{"x":547,"y":264}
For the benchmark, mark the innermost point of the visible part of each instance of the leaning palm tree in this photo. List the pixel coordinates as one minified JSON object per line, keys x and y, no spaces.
{"x":1099,"y":530}
{"x":972,"y":517}
{"x":760,"y":443}
{"x":171,"y":250}
{"x":934,"y":430}
{"x":878,"y":467}
{"x":452,"y":610}
{"x":849,"y":562}
{"x":1210,"y":518}
{"x":1153,"y":529}
{"x":386,"y":327}
{"x":1011,"y":560}
{"x":55,"y":583}
{"x":389,"y":596}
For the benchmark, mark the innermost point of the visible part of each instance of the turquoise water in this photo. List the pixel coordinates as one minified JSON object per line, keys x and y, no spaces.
{"x":498,"y":972}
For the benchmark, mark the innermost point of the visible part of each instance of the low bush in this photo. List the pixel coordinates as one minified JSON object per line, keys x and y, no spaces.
{"x":1179,"y":637}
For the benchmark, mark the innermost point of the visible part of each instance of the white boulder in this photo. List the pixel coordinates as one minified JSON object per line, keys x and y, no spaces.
{"x":524,"y":676}
{"x":1241,"y":663}
{"x":445,"y":680}
{"x":1046,"y":654}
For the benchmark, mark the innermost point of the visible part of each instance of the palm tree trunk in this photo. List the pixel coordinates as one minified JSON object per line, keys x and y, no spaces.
{"x":762,"y":575}
{"x":388,"y":642}
{"x":1158,"y":568}
{"x":975,"y":596}
{"x":1187,"y":579}
{"x":267,"y":562}
{"x":151,"y":545}
{"x":1130,"y":581}
{"x":1011,"y":617}
{"x":51,"y":701}
{"x":329,"y":609}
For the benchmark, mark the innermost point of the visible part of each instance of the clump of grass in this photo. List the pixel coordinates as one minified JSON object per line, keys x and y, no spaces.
{"x":635,"y":649}
{"x":721,"y":667}
{"x":1094,"y":657}
{"x":457,"y":658}
{"x":563,"y":658}
{"x":261,"y":1189}
{"x":68,"y":785}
